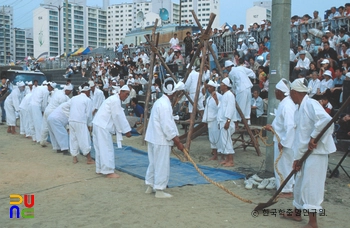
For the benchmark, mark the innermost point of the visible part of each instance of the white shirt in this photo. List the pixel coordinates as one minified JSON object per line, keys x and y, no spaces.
{"x":227,"y":108}
{"x":191,"y":82}
{"x":111,"y":117}
{"x":174,"y":41}
{"x":57,"y":98}
{"x":80,"y":109}
{"x":161,"y":127}
{"x":313,"y":86}
{"x":326,"y":85}
{"x":309,"y":120}
{"x":305,"y":64}
{"x":15,"y":98}
{"x":243,"y":47}
{"x":283,"y":124}
{"x":97,"y":98}
{"x":40,"y":96}
{"x":211,"y":109}
{"x":240,"y":78}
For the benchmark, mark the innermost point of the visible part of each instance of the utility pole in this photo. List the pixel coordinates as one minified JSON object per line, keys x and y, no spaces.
{"x":67,"y":37}
{"x":279,"y":67}
{"x":180,"y":13}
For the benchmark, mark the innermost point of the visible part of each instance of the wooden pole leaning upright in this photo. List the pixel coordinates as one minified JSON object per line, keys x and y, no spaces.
{"x":148,"y":93}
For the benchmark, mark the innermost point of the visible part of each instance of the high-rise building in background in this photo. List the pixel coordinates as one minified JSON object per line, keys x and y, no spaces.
{"x":202,"y":8}
{"x":261,"y":10}
{"x":6,"y":36}
{"x":23,"y":44}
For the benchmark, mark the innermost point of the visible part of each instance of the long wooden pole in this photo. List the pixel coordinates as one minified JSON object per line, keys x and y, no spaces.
{"x":150,"y":78}
{"x":196,"y":96}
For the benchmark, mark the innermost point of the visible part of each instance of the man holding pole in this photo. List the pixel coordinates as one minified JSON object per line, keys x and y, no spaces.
{"x":310,"y":118}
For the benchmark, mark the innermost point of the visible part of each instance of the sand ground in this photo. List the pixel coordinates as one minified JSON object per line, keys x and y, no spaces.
{"x":72,"y":195}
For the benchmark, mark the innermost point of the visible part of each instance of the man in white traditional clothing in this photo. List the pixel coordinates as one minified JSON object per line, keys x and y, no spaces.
{"x":241,"y":87}
{"x":109,"y":120}
{"x":226,"y":118}
{"x":59,"y":97}
{"x":310,"y":118}
{"x":191,"y":87}
{"x":161,"y":135}
{"x":97,"y":97}
{"x":38,"y":104}
{"x":12,"y":103}
{"x":57,"y":122}
{"x":283,"y":125}
{"x":80,"y":117}
{"x":210,"y":117}
{"x":25,"y":123}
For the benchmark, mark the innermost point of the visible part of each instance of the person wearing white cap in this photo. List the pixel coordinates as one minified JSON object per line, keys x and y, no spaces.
{"x":57,"y":122}
{"x":227,"y":38}
{"x":38,"y":103}
{"x":161,"y":135}
{"x":211,"y":57}
{"x":29,"y":87}
{"x":12,"y":103}
{"x":241,"y":86}
{"x":314,"y":84}
{"x":26,"y":125}
{"x":326,"y":83}
{"x":97,"y":97}
{"x":210,"y":116}
{"x":226,"y":117}
{"x":242,"y":48}
{"x":310,"y":47}
{"x":80,"y":117}
{"x":109,"y":120}
{"x":283,"y":124}
{"x":191,"y":87}
{"x":253,"y":48}
{"x":303,"y":65}
{"x":310,"y":118}
{"x":59,"y":97}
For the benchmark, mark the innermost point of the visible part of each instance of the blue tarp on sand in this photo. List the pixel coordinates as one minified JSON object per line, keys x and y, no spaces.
{"x":135,"y":163}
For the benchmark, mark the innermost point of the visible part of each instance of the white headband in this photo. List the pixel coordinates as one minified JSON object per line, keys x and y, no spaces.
{"x":227,"y":82}
{"x":283,"y":85}
{"x":300,"y":85}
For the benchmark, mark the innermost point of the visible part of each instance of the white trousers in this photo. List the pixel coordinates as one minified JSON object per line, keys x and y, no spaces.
{"x":214,"y":134}
{"x":25,"y":122}
{"x":285,"y":166}
{"x":244,"y":100}
{"x":225,"y":145}
{"x":200,"y":104}
{"x":10,"y":114}
{"x":310,"y":182}
{"x":158,"y":171}
{"x":104,"y":150}
{"x":79,"y":138}
{"x":58,"y":132}
{"x":22,"y":128}
{"x":37,"y":119}
{"x":44,"y":127}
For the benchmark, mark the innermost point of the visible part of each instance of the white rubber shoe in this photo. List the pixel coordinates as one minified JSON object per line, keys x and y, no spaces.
{"x":250,"y":183}
{"x":162,"y":195}
{"x":272,"y":184}
{"x":263,"y":184}
{"x":256,"y":178}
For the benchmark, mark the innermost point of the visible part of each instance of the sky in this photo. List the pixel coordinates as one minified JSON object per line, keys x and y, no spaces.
{"x":231,"y":11}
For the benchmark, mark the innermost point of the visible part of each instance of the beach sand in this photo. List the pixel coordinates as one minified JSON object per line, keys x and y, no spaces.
{"x":72,"y":195}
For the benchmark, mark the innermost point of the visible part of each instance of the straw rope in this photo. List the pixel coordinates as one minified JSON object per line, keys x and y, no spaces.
{"x":210,"y":180}
{"x":264,"y":140}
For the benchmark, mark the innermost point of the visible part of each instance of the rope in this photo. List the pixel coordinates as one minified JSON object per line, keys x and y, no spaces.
{"x":264,"y":140}
{"x":210,"y":180}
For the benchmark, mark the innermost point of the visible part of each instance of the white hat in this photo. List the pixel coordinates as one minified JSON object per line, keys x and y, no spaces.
{"x":85,"y":88}
{"x":300,"y":85}
{"x":227,"y":27}
{"x":227,"y":82}
{"x":194,"y":33}
{"x":240,"y":40}
{"x":262,"y":22}
{"x":213,"y":84}
{"x":170,"y":87}
{"x":327,"y":31}
{"x":125,"y":88}
{"x":52,"y":84}
{"x":29,"y":83}
{"x":302,"y":52}
{"x":347,"y":74}
{"x":251,"y":39}
{"x":68,"y":87}
{"x":308,"y":39}
{"x":328,"y":73}
{"x":228,"y":63}
{"x":20,"y":83}
{"x":325,"y":61}
{"x":251,"y":24}
{"x":283,"y":85}
{"x":130,"y":75}
{"x":91,"y":83}
{"x":210,"y":40}
{"x":44,"y":83}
